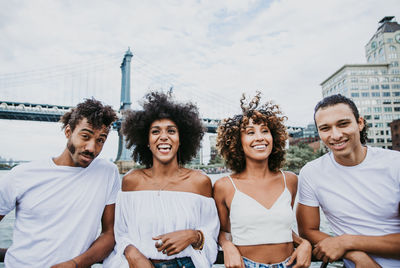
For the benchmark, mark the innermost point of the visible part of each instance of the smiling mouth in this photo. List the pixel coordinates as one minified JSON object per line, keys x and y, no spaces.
{"x":260,"y":146}
{"x":164,"y":148}
{"x":338,"y":145}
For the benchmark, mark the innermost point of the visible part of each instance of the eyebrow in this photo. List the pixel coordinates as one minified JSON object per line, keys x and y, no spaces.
{"x":167,"y":126}
{"x":91,"y":132}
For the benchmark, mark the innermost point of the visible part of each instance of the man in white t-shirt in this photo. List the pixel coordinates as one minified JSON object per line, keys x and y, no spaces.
{"x":61,"y":203}
{"x":356,"y":186}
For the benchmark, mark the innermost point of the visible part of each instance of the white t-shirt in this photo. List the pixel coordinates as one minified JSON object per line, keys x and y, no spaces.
{"x":58,"y":209}
{"x":141,"y":215}
{"x":360,"y":200}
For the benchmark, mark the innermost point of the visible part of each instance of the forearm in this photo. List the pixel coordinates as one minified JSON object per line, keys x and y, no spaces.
{"x":313,"y":236}
{"x":297,"y":240}
{"x":385,"y":246}
{"x":98,"y":251}
{"x":224,"y":239}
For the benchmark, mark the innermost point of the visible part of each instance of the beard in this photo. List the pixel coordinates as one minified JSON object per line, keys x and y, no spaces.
{"x":71,"y":147}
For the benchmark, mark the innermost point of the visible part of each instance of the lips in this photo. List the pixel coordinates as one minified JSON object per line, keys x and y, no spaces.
{"x":164,"y":148}
{"x":87,"y":157}
{"x":338,"y":145}
{"x":260,"y":146}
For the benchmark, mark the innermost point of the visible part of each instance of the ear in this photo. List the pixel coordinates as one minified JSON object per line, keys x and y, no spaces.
{"x":361,"y":123}
{"x":67,"y":131}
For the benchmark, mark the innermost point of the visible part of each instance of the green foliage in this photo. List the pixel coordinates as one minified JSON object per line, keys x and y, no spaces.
{"x":299,"y":155}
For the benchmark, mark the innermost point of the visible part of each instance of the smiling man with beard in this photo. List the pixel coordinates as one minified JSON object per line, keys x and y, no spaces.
{"x":60,"y":202}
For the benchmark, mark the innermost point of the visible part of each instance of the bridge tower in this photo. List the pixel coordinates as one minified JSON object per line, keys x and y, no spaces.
{"x":124,"y":154}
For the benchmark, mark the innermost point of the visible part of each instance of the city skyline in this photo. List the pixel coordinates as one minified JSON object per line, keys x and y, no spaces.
{"x":283,"y":48}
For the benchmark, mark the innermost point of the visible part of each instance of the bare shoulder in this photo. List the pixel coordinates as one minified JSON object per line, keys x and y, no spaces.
{"x":132,"y":179}
{"x":222,"y":184}
{"x":201,"y":182}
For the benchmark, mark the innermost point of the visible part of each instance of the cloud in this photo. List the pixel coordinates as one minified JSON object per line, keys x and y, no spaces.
{"x":209,"y":51}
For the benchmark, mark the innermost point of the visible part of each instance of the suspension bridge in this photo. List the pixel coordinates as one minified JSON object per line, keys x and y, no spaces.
{"x":81,"y":81}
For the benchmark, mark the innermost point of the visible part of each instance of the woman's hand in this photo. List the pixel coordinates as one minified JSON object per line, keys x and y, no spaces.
{"x":136,"y":259}
{"x":175,"y":242}
{"x":302,"y":255}
{"x":232,"y":257}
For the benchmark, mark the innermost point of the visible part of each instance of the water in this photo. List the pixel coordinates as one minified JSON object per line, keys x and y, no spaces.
{"x":6,"y":226}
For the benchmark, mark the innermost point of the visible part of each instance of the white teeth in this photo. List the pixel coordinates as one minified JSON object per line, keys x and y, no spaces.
{"x":259,"y":147}
{"x":164,"y":146}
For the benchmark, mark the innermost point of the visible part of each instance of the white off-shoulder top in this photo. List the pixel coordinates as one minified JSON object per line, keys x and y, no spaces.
{"x":142,"y":215}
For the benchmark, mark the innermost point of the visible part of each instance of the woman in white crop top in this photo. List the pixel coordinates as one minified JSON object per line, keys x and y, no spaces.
{"x":255,"y":203}
{"x":165,"y":214}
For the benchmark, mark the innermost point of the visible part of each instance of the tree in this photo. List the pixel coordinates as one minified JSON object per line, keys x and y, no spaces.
{"x":299,"y":155}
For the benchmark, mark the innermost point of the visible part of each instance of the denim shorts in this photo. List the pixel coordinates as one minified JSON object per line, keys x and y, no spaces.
{"x":252,"y":264}
{"x":185,"y":262}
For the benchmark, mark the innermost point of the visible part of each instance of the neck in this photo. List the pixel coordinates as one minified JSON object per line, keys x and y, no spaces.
{"x":256,"y":169}
{"x":64,"y":159}
{"x":354,"y":158}
{"x":164,"y":171}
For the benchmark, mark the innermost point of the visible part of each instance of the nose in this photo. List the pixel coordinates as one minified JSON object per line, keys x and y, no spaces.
{"x":163,"y":135}
{"x":258,"y":135}
{"x":90,"y":145}
{"x":336,"y":133}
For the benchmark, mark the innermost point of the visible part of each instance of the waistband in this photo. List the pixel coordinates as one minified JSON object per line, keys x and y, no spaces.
{"x":252,"y":264}
{"x":181,"y":261}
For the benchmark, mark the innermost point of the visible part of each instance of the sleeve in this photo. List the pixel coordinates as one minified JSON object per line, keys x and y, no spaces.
{"x":209,"y":225}
{"x":121,"y":234}
{"x":306,"y":193}
{"x":115,"y":186}
{"x":8,"y":192}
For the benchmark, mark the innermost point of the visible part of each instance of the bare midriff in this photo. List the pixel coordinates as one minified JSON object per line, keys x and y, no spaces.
{"x":268,"y":253}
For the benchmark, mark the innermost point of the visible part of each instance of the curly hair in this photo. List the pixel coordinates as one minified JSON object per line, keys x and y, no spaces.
{"x":93,"y":110}
{"x":337,"y":99}
{"x":158,"y":105}
{"x":229,"y":133}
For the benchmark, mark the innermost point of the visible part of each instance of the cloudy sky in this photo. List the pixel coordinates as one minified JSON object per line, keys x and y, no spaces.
{"x":210,"y":52}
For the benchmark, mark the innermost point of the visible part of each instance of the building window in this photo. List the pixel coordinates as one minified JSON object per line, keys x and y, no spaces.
{"x":386,"y":86}
{"x":377,"y":117}
{"x":367,"y":117}
{"x":386,"y":94}
{"x":370,"y":140}
{"x":375,"y":94}
{"x":355,"y":95}
{"x":396,"y":86}
{"x":365,"y":94}
{"x":394,"y":64}
{"x":387,"y":102}
{"x":387,"y":109}
{"x":396,"y":101}
{"x":375,"y":87}
{"x":395,"y":71}
{"x":380,"y":140}
{"x":396,"y":93}
{"x":397,"y":109}
{"x":377,"y":109}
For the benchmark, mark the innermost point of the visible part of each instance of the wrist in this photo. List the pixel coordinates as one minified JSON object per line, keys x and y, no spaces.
{"x":346,"y":242}
{"x":199,"y":241}
{"x":75,"y":263}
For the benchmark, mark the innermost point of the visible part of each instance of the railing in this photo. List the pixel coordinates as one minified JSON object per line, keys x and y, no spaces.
{"x":220,"y":258}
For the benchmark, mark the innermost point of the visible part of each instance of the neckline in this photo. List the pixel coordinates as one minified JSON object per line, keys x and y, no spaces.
{"x":253,"y":199}
{"x":164,"y":191}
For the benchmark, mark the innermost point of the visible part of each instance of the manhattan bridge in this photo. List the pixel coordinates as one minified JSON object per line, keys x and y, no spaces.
{"x":46,"y":94}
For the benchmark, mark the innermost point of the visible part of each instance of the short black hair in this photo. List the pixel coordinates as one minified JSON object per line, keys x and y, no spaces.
{"x":93,"y":110}
{"x":158,"y":105}
{"x":337,"y":99}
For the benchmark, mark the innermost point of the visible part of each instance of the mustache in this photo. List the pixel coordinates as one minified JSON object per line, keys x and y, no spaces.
{"x":87,"y":153}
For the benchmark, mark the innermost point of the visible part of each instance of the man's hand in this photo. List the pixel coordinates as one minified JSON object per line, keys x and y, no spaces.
{"x":66,"y":264}
{"x":330,"y":249}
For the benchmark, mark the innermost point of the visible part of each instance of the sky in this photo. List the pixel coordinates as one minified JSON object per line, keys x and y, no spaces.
{"x":210,"y":52}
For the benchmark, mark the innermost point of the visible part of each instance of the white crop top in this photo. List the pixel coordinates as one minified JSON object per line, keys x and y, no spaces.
{"x":254,"y":224}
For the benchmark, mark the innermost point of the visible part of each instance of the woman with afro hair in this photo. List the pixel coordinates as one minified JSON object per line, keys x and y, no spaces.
{"x":165,"y":213}
{"x":255,"y":202}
